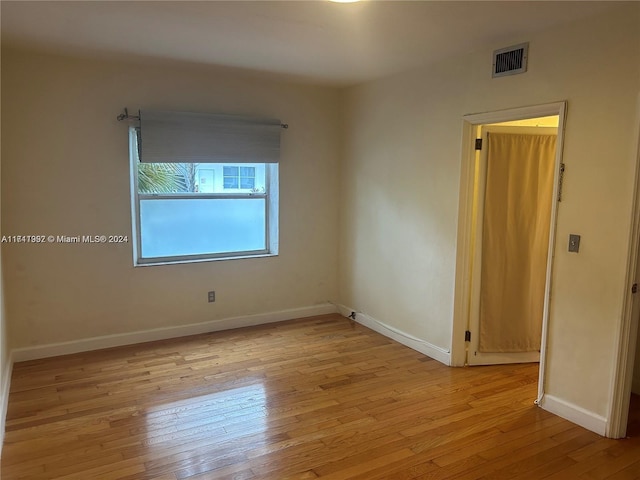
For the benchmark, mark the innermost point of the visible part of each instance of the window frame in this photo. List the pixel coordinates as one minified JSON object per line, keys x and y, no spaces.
{"x":270,"y":196}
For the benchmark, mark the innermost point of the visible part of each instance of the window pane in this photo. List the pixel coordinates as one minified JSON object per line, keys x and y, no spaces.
{"x":230,"y":182}
{"x":201,"y":226}
{"x":231,"y":171}
{"x":247,"y":182}
{"x":248,"y":171}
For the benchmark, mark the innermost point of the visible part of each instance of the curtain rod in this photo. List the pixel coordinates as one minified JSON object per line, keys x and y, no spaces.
{"x":125,"y":116}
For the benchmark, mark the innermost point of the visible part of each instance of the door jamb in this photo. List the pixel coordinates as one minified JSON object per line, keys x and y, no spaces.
{"x":627,"y":333}
{"x":462,"y":289}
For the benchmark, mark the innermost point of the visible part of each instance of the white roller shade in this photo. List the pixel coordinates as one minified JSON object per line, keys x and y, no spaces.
{"x":185,"y":137}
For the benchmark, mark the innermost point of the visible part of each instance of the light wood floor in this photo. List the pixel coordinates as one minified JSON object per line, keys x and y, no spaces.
{"x":320,"y":397}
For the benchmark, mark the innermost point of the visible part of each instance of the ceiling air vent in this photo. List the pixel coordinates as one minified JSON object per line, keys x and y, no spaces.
{"x":510,"y":60}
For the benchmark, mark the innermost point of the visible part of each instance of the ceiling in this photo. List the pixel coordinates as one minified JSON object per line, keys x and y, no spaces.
{"x":315,"y":40}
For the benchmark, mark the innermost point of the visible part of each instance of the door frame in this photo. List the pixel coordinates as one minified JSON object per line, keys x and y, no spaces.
{"x":464,"y":253}
{"x":626,"y":337}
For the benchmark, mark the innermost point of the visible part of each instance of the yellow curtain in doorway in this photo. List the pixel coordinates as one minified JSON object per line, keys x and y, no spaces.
{"x":515,"y":241}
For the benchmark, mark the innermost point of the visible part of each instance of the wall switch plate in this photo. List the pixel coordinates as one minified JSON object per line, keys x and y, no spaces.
{"x":574,"y":243}
{"x":211,"y":296}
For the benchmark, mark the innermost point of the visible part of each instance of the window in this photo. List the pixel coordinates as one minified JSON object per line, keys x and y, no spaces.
{"x":239,"y":177}
{"x":204,"y":210}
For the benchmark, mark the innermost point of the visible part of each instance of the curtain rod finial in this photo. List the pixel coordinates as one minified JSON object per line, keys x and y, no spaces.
{"x":126,"y":116}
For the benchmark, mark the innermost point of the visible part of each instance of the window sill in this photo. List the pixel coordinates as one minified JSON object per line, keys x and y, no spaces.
{"x":202,"y":260}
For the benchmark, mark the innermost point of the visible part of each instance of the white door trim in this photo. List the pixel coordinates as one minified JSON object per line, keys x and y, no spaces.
{"x":627,"y":334}
{"x":462,"y":292}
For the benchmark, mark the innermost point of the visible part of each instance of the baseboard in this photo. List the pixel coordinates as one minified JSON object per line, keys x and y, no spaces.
{"x":4,"y":397}
{"x":430,"y":350}
{"x":575,"y":414}
{"x":118,"y":340}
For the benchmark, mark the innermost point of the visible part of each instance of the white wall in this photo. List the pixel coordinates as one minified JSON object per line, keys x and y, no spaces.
{"x":401,"y":179}
{"x":66,"y":172}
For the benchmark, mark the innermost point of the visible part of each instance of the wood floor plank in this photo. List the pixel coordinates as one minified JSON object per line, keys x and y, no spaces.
{"x":612,"y":467}
{"x":319,"y":397}
{"x":630,"y":472}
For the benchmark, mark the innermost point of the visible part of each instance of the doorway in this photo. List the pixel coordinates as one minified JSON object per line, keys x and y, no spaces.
{"x":464,"y":301}
{"x":624,"y":404}
{"x":512,"y":204}
{"x":633,"y":408}
{"x":633,"y":421}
